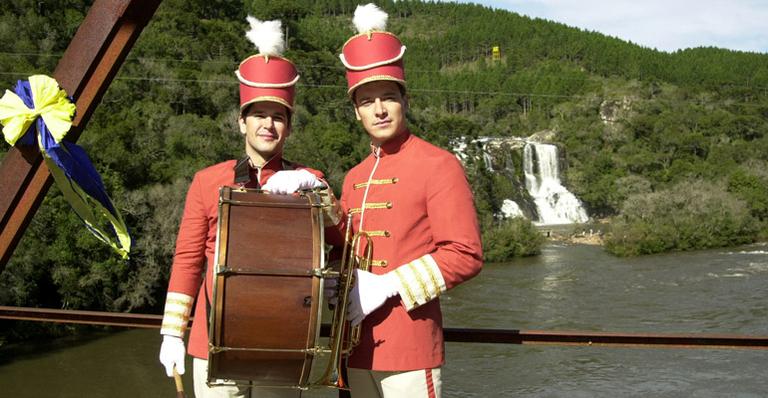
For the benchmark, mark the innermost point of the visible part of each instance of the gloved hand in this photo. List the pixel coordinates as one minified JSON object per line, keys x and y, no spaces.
{"x":290,"y":181}
{"x":331,"y":290}
{"x":369,"y":293}
{"x":172,"y":353}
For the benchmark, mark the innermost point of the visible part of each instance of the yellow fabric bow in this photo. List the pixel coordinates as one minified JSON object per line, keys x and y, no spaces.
{"x":50,"y":102}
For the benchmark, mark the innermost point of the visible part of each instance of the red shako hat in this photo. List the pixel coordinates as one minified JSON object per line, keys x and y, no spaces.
{"x":373,"y":54}
{"x":266,"y":76}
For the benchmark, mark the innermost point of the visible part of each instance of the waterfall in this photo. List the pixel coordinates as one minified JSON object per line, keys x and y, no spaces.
{"x":488,"y":161}
{"x":556,"y":205}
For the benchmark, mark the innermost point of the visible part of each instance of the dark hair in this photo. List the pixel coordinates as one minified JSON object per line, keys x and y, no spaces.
{"x":400,"y":87}
{"x":288,"y":113}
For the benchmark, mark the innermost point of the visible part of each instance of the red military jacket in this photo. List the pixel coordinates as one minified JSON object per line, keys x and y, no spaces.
{"x":196,"y":244}
{"x":421,"y":216}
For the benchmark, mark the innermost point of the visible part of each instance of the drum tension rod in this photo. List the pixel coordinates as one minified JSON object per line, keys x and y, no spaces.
{"x":229,"y":271}
{"x":217,"y":350}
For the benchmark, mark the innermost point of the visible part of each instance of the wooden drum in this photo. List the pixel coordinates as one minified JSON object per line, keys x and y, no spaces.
{"x":265,"y":313}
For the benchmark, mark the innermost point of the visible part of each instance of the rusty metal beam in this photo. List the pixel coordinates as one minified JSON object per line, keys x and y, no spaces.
{"x":455,"y":335}
{"x":85,"y":71}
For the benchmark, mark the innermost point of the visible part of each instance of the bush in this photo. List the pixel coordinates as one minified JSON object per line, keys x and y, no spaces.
{"x":511,"y":238}
{"x":751,"y":188}
{"x":691,"y":215}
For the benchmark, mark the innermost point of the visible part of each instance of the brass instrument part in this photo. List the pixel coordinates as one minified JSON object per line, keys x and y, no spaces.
{"x":343,"y":337}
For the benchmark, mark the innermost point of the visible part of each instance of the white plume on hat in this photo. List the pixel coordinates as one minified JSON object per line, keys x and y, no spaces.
{"x":369,"y":17}
{"x":266,"y":35}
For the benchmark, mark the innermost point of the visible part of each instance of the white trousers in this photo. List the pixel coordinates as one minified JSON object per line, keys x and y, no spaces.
{"x":200,"y":376}
{"x":423,"y":383}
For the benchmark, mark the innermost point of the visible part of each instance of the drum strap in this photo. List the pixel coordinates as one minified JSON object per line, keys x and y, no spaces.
{"x":243,"y":172}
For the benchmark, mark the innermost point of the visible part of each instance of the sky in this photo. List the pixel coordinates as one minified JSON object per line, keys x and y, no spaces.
{"x":666,"y":25}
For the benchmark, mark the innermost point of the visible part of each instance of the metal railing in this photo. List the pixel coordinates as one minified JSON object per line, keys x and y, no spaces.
{"x":456,"y":335}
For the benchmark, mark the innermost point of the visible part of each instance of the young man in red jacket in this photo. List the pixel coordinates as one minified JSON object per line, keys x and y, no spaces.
{"x":413,"y":199}
{"x":266,"y":100}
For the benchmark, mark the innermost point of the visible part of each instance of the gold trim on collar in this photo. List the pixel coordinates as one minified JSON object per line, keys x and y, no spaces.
{"x":384,"y":181}
{"x":379,"y":205}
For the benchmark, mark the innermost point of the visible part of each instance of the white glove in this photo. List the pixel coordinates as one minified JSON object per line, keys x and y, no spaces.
{"x":369,"y":293}
{"x":172,"y":353}
{"x":331,"y":290}
{"x":290,"y":181}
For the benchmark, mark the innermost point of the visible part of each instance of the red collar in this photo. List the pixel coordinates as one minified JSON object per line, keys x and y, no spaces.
{"x":392,"y":146}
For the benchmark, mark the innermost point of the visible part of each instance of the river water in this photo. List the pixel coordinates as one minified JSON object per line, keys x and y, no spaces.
{"x":568,"y":287}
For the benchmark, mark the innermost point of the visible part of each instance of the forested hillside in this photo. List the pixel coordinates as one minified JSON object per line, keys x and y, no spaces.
{"x":672,"y":148}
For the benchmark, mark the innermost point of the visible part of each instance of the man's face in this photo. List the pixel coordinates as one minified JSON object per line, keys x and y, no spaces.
{"x":265,"y":126}
{"x":381,"y":107}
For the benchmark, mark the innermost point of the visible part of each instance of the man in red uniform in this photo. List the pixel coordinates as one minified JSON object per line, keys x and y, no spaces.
{"x":413,"y":199}
{"x":266,"y":99}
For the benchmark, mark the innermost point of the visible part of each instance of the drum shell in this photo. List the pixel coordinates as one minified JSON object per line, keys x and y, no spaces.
{"x":265,"y":308}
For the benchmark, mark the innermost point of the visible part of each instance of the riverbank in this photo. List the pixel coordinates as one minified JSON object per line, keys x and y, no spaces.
{"x":591,"y":238}
{"x":586,"y":234}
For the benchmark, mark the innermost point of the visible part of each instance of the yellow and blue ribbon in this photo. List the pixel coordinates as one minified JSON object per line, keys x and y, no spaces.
{"x":39,"y":108}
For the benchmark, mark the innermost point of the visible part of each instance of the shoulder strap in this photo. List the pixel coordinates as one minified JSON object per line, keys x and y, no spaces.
{"x":288,"y":165}
{"x":242,"y":175}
